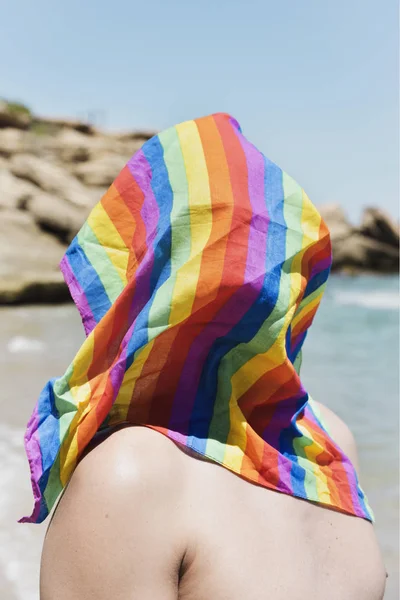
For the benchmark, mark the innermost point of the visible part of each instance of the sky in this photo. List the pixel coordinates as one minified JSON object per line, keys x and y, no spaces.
{"x":314,"y":84}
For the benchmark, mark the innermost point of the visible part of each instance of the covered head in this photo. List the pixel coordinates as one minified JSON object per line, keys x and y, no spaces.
{"x":197,"y":276}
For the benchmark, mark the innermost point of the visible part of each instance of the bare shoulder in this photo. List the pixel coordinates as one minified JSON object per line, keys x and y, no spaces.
{"x":118,"y":531}
{"x":340,"y":432}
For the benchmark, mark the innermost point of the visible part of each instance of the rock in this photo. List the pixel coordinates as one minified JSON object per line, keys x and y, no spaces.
{"x":56,"y":216}
{"x":336,"y":220}
{"x":12,"y":141}
{"x":50,"y":177}
{"x":48,"y":123}
{"x":14,"y":192}
{"x":137,"y":136}
{"x":74,"y":147}
{"x":376,"y":224}
{"x":362,"y":253}
{"x":29,"y":261}
{"x":96,"y":194}
{"x":13,"y":114}
{"x":48,"y":288}
{"x":71,"y":147}
{"x":100,"y":172}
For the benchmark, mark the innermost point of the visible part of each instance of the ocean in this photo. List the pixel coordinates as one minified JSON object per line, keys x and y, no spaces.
{"x":351,"y":363}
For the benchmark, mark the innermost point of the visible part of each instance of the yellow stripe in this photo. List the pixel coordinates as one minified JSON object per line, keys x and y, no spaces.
{"x":123,"y":400}
{"x":312,"y":452}
{"x":310,"y":221}
{"x":82,"y":361}
{"x":80,"y":394}
{"x":310,"y":224}
{"x":306,"y":309}
{"x":237,"y":438}
{"x":109,"y":237}
{"x":258,"y":365}
{"x":200,"y":221}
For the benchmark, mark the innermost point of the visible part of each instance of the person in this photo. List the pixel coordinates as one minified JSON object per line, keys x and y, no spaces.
{"x":193,"y":463}
{"x":142,"y":519}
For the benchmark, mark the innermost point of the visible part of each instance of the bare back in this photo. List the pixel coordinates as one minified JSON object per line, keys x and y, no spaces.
{"x":143,"y":520}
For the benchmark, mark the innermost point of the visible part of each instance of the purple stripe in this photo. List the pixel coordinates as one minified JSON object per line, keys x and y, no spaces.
{"x":142,"y":173}
{"x":239,"y":303}
{"x":285,"y":469}
{"x":351,"y":476}
{"x":320,"y":266}
{"x":282,"y":415}
{"x":141,"y":170}
{"x":33,"y":452}
{"x":78,"y":296}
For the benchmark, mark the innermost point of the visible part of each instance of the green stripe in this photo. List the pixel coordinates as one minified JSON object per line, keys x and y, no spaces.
{"x":54,"y":487}
{"x":101,"y":262}
{"x":180,"y":231}
{"x":310,"y":483}
{"x":310,"y":298}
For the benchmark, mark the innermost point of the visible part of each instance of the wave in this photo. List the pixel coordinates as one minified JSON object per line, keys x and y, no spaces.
{"x":375,"y":300}
{"x":21,"y":343}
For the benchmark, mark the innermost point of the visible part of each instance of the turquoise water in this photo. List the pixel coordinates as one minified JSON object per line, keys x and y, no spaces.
{"x":351,"y":363}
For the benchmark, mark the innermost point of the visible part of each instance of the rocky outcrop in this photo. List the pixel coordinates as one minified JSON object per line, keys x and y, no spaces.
{"x":378,"y":226}
{"x":49,"y":177}
{"x":52,"y":172}
{"x":29,"y":261}
{"x":101,"y":171}
{"x":14,"y":192}
{"x":13,"y":114}
{"x":12,"y":141}
{"x":335,"y":217}
{"x":55,"y":216}
{"x":373,"y":246}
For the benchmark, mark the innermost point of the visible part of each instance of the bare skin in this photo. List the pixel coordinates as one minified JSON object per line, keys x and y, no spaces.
{"x":142,"y":520}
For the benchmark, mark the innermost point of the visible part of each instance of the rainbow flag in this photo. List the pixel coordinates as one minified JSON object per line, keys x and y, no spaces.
{"x":197,"y":276}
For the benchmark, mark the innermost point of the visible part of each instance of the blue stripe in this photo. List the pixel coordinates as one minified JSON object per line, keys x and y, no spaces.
{"x":89,"y":280}
{"x":288,"y":343}
{"x":286,"y":447}
{"x":316,"y":282}
{"x":48,"y":431}
{"x":48,"y":426}
{"x":251,"y":322}
{"x":161,"y":270}
{"x":361,"y":498}
{"x":299,"y":344}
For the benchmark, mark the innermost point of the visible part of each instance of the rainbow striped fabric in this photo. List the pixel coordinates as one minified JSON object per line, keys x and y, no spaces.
{"x":197,"y":277}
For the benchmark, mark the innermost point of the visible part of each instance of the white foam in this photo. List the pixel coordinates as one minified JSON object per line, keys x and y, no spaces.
{"x":20,"y":545}
{"x":375,"y":300}
{"x":21,"y":343}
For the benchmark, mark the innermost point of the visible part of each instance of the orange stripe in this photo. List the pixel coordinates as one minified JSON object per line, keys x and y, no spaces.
{"x":149,"y":392}
{"x":119,"y":214}
{"x":133,"y":198}
{"x":336,"y":475}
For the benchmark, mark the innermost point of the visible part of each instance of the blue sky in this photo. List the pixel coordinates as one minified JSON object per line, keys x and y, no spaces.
{"x":314,"y":84}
